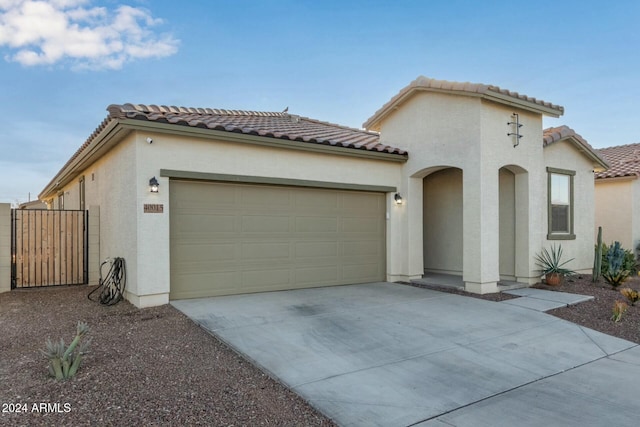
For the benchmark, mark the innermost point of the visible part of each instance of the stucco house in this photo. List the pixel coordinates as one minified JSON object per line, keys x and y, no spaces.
{"x":446,"y":177}
{"x":618,"y":196}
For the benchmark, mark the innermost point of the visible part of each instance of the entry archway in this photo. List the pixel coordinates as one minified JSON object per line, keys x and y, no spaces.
{"x":442,"y":221}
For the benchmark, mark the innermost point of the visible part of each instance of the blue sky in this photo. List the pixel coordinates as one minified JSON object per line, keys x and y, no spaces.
{"x":62,"y":62}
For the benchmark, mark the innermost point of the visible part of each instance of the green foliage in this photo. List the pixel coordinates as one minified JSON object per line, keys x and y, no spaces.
{"x":65,"y":361}
{"x":551,"y":262}
{"x":632,"y":295}
{"x":619,"y":308}
{"x":597,"y":259}
{"x":618,"y":267}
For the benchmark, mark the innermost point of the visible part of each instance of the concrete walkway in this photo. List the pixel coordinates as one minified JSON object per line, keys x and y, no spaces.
{"x":542,"y":300}
{"x":392,"y":355}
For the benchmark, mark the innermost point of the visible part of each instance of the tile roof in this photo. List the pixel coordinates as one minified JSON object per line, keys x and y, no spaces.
{"x":624,"y":161}
{"x":558,"y":133}
{"x":473,"y":89}
{"x":266,"y":124}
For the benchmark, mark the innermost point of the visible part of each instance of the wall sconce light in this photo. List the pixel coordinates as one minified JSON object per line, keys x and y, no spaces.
{"x":398,"y":199}
{"x":153,"y":185}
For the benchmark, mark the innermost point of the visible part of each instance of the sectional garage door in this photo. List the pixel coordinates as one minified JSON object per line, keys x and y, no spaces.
{"x":238,"y":238}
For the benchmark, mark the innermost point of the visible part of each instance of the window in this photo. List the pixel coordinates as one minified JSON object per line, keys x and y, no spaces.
{"x":61,"y":201}
{"x":560,"y":196}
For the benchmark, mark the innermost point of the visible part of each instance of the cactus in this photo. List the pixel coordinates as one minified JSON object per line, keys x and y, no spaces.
{"x":597,"y":260}
{"x":64,"y":362}
{"x":616,"y":274}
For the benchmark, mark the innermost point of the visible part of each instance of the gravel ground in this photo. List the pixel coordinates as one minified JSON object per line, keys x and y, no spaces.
{"x":145,"y":367}
{"x":597,"y":314}
{"x":155,"y":367}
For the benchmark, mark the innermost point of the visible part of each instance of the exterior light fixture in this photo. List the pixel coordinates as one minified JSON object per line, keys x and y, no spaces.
{"x":398,"y":199}
{"x":153,"y":185}
{"x":515,"y":122}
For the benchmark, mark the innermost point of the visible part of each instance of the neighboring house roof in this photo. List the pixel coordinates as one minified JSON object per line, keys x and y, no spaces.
{"x":561,"y":133}
{"x":624,"y":161}
{"x":490,"y":92}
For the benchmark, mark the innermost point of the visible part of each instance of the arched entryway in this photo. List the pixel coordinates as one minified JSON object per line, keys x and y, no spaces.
{"x":442,"y":221}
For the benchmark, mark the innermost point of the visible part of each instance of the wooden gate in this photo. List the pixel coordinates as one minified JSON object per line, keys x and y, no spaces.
{"x":48,"y":248}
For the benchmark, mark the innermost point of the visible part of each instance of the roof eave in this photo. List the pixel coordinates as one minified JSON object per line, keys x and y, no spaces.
{"x":100,"y":144}
{"x":117,"y":129}
{"x":589,"y":152}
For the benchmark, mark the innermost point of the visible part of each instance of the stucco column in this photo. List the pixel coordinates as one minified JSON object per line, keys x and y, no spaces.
{"x":481,"y":230}
{"x":404,"y":258}
{"x":5,"y":247}
{"x":94,"y":245}
{"x":153,"y":270}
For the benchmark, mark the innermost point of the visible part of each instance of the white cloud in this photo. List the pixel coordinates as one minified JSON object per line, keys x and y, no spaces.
{"x":44,"y":32}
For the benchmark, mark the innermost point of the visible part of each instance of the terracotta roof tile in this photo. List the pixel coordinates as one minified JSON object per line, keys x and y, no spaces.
{"x":624,"y":160}
{"x":268,"y":124}
{"x":476,"y":89}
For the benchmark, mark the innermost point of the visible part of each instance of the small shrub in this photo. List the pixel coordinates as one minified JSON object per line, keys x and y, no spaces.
{"x":632,"y":295}
{"x":619,"y":308}
{"x":64,"y":362}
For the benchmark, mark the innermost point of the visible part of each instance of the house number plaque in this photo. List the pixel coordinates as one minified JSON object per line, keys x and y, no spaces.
{"x":149,"y":208}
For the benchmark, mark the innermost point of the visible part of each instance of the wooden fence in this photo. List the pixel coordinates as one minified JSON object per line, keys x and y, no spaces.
{"x":49,"y":248}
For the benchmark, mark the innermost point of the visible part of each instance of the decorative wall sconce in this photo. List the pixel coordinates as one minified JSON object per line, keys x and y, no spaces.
{"x":153,"y":185}
{"x":398,"y":199}
{"x":515,"y":122}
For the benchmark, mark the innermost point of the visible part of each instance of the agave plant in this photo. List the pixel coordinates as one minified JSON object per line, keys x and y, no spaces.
{"x":617,"y":272}
{"x":65,"y":361}
{"x":551,"y":261}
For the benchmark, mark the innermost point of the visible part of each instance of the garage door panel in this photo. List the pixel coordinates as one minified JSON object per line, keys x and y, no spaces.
{"x":265,"y":224}
{"x":264,"y":196}
{"x":206,"y":223}
{"x":364,"y":272}
{"x":314,"y":200}
{"x":236,"y":238}
{"x":265,"y":278}
{"x":315,"y":224}
{"x":314,"y":250}
{"x":204,"y":252}
{"x":361,"y":225}
{"x":318,"y":275}
{"x":359,"y":202}
{"x":263,"y":250}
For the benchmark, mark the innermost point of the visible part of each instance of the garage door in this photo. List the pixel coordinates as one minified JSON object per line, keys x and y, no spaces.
{"x":238,"y":238}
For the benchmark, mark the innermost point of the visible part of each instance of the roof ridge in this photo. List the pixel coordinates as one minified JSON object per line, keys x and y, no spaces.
{"x":119,"y":110}
{"x":422,"y":83}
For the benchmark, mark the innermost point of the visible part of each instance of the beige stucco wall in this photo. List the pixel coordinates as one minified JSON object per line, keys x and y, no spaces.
{"x":563,"y":155}
{"x":614,"y":201}
{"x":5,"y":247}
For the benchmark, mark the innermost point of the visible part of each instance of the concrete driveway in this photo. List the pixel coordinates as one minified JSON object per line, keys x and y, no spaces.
{"x":384,"y":354}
